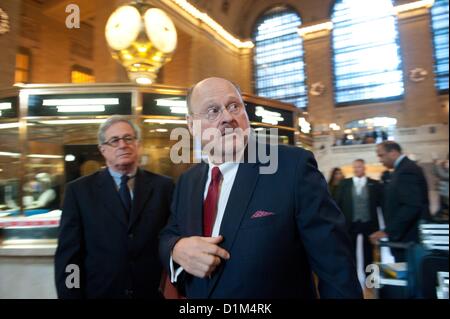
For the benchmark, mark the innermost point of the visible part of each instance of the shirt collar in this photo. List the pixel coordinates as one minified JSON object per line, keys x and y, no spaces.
{"x":225,"y":168}
{"x":362,"y":179}
{"x":117,"y":175}
{"x":398,"y":160}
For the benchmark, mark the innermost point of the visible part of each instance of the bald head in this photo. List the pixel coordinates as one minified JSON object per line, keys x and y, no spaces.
{"x":216,"y":106}
{"x":205,"y":84}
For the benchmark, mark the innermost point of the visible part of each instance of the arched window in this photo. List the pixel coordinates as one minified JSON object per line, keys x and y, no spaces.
{"x":23,"y":66}
{"x":439,"y":15}
{"x":366,"y":53}
{"x":279,"y":69}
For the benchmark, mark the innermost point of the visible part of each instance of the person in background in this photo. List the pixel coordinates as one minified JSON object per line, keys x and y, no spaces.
{"x":336,"y":177}
{"x":405,"y":198}
{"x":441,"y":171}
{"x":110,"y":223}
{"x":47,"y":197}
{"x":359,"y":198}
{"x":385,"y":177}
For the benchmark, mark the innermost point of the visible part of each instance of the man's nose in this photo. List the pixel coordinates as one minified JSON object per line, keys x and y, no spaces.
{"x":122,"y":143}
{"x":226,"y":116}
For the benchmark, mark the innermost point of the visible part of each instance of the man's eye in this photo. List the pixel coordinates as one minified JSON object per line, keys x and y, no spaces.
{"x":213,"y":110}
{"x":232,"y":106}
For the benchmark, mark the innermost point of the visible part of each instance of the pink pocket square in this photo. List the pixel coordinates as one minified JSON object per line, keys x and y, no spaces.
{"x":261,"y":213}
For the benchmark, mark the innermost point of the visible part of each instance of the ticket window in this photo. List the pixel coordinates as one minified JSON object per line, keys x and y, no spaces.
{"x":9,"y":170}
{"x":62,"y":142}
{"x":10,"y":156}
{"x":160,"y":154}
{"x":57,"y":153}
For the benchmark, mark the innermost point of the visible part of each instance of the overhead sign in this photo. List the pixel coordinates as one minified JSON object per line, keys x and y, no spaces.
{"x":9,"y":107}
{"x":269,"y":115}
{"x":79,"y":104}
{"x":163,"y":104}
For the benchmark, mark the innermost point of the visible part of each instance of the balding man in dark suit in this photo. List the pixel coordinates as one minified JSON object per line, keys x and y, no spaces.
{"x":235,"y":232}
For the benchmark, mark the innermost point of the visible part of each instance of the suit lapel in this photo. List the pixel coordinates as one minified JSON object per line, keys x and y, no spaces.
{"x":241,"y":193}
{"x":349,"y":189}
{"x":142,"y":192}
{"x":109,"y":196}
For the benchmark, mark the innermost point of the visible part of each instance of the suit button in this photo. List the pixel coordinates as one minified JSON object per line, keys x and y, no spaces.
{"x":131,"y":235}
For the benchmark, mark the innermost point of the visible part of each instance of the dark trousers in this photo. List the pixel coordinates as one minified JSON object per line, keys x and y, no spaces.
{"x":366,"y":229}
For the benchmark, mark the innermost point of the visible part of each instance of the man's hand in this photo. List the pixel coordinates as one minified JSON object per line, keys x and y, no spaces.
{"x":199,"y":256}
{"x":376,"y":236}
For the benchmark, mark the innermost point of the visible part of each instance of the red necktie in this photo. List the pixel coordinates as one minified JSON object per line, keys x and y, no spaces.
{"x":211,"y":201}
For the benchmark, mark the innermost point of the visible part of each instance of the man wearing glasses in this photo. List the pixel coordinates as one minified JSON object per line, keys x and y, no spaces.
{"x":237,"y":233}
{"x":108,"y":242}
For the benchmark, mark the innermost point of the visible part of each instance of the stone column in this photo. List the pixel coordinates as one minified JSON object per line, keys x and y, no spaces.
{"x":317,"y":48}
{"x":107,"y":70}
{"x":421,"y":98}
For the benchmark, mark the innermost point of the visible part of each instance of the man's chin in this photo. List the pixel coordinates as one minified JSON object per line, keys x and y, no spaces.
{"x":125,"y":162}
{"x":228,"y":154}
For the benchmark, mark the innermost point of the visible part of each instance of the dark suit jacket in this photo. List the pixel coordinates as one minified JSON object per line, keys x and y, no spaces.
{"x":344,"y":199}
{"x":406,"y":202}
{"x":117,"y":258}
{"x":272,"y":256}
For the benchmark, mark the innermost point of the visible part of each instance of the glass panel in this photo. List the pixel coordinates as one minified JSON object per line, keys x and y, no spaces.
{"x":156,"y":145}
{"x":9,"y":170}
{"x":279,"y":66}
{"x":364,"y":31}
{"x":57,"y":154}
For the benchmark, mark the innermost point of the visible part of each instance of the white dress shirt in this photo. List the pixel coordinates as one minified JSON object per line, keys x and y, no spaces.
{"x":359,"y":183}
{"x":228,"y":171}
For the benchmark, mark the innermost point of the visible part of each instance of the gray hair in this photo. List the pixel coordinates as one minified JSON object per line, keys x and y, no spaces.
{"x":113,"y":120}
{"x":190,"y":91}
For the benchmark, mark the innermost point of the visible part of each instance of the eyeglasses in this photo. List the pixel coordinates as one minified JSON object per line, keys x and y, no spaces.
{"x":114,"y":142}
{"x":215,"y":112}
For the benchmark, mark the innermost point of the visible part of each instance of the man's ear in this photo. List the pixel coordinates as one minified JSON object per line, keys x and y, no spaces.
{"x":101,"y":148}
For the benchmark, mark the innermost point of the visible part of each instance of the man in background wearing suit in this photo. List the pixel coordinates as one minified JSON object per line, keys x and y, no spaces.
{"x":237,"y":233}
{"x":405,"y":198}
{"x":359,"y":197}
{"x":111,"y":221}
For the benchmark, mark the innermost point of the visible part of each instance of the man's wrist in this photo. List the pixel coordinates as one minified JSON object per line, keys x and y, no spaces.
{"x":172,"y":252}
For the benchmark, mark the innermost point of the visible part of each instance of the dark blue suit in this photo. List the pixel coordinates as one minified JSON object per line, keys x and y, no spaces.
{"x":271,"y":256}
{"x":117,"y":258}
{"x":406,"y":202}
